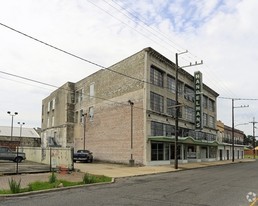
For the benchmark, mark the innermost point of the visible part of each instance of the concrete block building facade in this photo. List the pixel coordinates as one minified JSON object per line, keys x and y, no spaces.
{"x":128,"y":110}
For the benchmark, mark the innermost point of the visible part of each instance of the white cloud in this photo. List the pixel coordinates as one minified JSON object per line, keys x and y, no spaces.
{"x":222,"y":33}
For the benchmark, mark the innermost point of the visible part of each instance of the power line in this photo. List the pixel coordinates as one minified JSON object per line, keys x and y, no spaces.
{"x":73,"y":55}
{"x":251,"y":99}
{"x":221,"y":85}
{"x":62,"y":88}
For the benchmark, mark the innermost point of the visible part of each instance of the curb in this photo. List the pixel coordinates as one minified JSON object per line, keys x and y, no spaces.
{"x":7,"y":196}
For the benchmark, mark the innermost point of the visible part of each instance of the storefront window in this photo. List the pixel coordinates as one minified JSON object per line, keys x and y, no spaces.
{"x":157,"y":151}
{"x":213,"y":152}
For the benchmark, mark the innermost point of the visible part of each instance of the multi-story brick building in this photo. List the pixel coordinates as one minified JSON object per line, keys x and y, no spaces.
{"x":137,"y":94}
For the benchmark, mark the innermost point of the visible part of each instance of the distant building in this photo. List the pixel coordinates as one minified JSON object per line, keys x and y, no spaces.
{"x":25,"y":137}
{"x":225,"y":141}
{"x":94,"y":113}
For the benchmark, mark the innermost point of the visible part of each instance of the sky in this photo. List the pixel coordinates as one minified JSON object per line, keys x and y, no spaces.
{"x":222,"y":33}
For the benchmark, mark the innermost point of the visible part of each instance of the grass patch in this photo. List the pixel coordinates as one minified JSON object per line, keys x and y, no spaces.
{"x":54,"y":183}
{"x":250,"y":157}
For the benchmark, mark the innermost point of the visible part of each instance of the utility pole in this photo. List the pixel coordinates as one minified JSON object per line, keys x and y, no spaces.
{"x":177,"y":104}
{"x":131,"y":161}
{"x":233,"y":126}
{"x":84,"y":129}
{"x":254,"y":122}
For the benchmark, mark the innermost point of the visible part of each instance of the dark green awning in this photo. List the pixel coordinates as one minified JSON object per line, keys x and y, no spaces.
{"x":183,"y":140}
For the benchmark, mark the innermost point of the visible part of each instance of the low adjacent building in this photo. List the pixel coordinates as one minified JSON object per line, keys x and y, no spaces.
{"x":225,"y":140}
{"x":28,"y":137}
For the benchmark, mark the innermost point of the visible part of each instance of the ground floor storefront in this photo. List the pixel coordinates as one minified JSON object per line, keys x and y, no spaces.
{"x":162,"y":151}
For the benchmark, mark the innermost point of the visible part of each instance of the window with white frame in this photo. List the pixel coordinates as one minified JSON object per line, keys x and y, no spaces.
{"x":189,"y":114}
{"x":211,"y":105}
{"x":171,"y":84}
{"x":211,"y":122}
{"x":189,"y":93}
{"x":171,"y":108}
{"x":157,"y":129}
{"x":205,"y":119}
{"x":205,"y":102}
{"x":156,"y":76}
{"x":156,"y":102}
{"x":180,"y":87}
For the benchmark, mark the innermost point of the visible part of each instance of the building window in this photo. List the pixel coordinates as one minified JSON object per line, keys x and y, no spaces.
{"x":76,"y":115}
{"x":72,"y":97}
{"x":92,"y":90}
{"x":53,"y":103}
{"x":211,"y":121}
{"x":48,"y":106}
{"x":171,"y":84}
{"x":205,"y":102}
{"x":170,"y":130}
{"x":205,"y":119}
{"x":53,"y":121}
{"x":180,"y":86}
{"x":189,"y":93}
{"x":81,"y":116}
{"x":156,"y":102}
{"x":78,"y":96}
{"x":157,"y":129}
{"x":171,"y":108}
{"x":157,"y":151}
{"x":91,"y":113}
{"x":156,"y":76}
{"x":189,"y":114}
{"x":48,"y":122}
{"x":43,"y":109}
{"x":211,"y":105}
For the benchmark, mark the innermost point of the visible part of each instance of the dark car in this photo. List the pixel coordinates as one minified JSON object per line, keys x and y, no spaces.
{"x":83,"y":156}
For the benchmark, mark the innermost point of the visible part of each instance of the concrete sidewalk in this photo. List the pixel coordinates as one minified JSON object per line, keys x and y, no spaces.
{"x":117,"y":170}
{"x":111,"y":170}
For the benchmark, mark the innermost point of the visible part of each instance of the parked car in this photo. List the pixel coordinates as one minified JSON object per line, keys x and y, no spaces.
{"x":7,"y":154}
{"x":83,"y":155}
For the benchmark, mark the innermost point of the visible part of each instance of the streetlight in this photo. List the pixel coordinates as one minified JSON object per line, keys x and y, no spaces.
{"x":131,"y":161}
{"x":15,"y":113}
{"x":17,"y":154}
{"x":21,"y":124}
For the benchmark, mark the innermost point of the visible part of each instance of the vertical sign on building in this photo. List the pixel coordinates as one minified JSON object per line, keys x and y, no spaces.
{"x":198,"y":100}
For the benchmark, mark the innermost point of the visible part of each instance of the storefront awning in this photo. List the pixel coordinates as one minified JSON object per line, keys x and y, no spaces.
{"x":183,"y":140}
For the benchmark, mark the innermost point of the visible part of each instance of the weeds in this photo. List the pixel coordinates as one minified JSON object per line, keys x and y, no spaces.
{"x":14,"y":186}
{"x":88,"y":178}
{"x":52,"y":178}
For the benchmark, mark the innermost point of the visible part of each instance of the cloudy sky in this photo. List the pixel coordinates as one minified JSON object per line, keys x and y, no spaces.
{"x":222,"y":33}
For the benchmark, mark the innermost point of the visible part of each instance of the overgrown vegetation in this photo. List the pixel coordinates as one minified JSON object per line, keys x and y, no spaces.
{"x":52,"y":178}
{"x":53,"y":182}
{"x":250,"y":157}
{"x":14,"y":186}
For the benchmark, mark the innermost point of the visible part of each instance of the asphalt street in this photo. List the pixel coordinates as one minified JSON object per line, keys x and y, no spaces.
{"x":215,"y":186}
